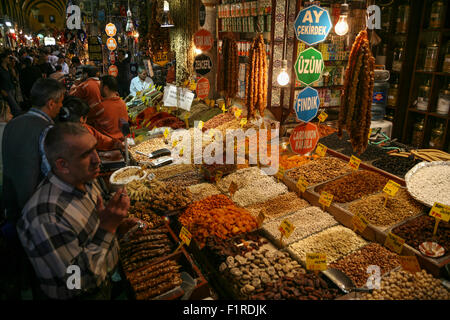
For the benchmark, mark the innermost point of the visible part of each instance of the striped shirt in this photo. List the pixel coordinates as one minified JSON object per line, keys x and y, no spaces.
{"x":59,"y":228}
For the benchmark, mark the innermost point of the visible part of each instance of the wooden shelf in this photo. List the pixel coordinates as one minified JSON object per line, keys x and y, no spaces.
{"x":438,"y":115}
{"x":435,"y":30}
{"x":434,"y":72}
{"x":417,"y":111}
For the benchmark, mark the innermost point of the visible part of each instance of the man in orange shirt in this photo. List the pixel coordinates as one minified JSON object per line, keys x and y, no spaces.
{"x":89,"y":88}
{"x":105,"y":117}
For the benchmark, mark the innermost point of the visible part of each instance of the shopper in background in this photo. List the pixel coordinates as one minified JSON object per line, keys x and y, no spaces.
{"x":106,"y":116}
{"x":123,"y":74}
{"x":66,"y":224}
{"x":76,"y":110}
{"x":58,"y":75}
{"x":7,"y":84}
{"x":20,"y":146}
{"x":88,"y":87}
{"x":46,"y":68}
{"x":76,"y":68}
{"x":63,"y":64}
{"x":141,"y":82}
{"x":27,"y":77}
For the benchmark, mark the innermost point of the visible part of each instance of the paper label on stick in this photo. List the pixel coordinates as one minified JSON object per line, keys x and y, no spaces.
{"x":166,"y":133}
{"x":354,"y":163}
{"x":232,"y":188}
{"x":323,"y":116}
{"x":321,"y":150}
{"x":238,"y":113}
{"x":243,"y":122}
{"x":359,"y":222}
{"x":316,"y":261}
{"x":286,"y":228}
{"x":440,"y":211}
{"x":409,"y":263}
{"x":302,"y":185}
{"x":261,"y":217}
{"x":185,"y":236}
{"x":391,"y":188}
{"x":395,"y":243}
{"x":325,"y":199}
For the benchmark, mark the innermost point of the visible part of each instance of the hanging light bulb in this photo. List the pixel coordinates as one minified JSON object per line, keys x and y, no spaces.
{"x":197,"y":51}
{"x":283,"y":78}
{"x":166,"y":18}
{"x":341,"y":28}
{"x":129,"y":27}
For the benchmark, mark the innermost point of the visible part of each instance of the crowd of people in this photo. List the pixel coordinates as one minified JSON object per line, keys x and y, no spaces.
{"x":56,"y":214}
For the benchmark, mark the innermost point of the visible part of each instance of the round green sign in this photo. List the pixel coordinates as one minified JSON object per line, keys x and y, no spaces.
{"x":309,"y":66}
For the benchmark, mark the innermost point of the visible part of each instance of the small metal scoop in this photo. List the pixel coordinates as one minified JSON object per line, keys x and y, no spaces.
{"x":343,"y":282}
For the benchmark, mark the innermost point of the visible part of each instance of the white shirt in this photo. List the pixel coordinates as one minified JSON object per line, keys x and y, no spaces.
{"x":65,"y":68}
{"x":138,"y":85}
{"x":53,"y":60}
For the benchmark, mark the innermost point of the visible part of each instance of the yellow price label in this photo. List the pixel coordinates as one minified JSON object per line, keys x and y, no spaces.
{"x":243,"y":122}
{"x":440,"y":211}
{"x":200,"y":125}
{"x":174,"y":143}
{"x":185,"y":236}
{"x":391,"y":188}
{"x":286,"y":228}
{"x":223,"y":108}
{"x":395,"y":243}
{"x":409,"y":263}
{"x":359,"y":222}
{"x":166,"y":133}
{"x":325,"y":199}
{"x":323,"y":116}
{"x":232,"y":188}
{"x":261,"y":217}
{"x":370,"y":133}
{"x":302,"y":185}
{"x":354,"y":163}
{"x":181,"y":152}
{"x":321,"y":150}
{"x":316,"y":261}
{"x":280,"y":173}
{"x":158,"y":108}
{"x":219,"y":175}
{"x":238,"y":113}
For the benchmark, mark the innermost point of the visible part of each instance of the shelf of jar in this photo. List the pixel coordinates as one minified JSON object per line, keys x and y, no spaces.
{"x":436,"y":30}
{"x":417,"y":111}
{"x":438,"y":115}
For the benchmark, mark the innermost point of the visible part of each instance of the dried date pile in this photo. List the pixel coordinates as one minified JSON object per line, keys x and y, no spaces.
{"x":395,"y":165}
{"x":334,"y":142}
{"x":300,"y":287}
{"x":145,"y":246}
{"x":355,"y":264}
{"x":354,"y":186}
{"x":155,"y":279}
{"x":420,"y":230}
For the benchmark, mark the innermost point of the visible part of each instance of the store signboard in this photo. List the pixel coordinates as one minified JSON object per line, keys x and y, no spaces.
{"x":309,"y":66}
{"x":113,"y":71}
{"x":312,"y":25}
{"x":202,"y":64}
{"x":112,"y":57}
{"x":182,"y":100}
{"x":203,"y":40}
{"x":111,"y":29}
{"x":94,"y":49}
{"x":304,"y":138}
{"x":307,"y":104}
{"x":203,"y":88}
{"x":111,"y":43}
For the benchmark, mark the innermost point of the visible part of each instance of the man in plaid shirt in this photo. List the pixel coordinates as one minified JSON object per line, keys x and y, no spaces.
{"x":65,"y":226}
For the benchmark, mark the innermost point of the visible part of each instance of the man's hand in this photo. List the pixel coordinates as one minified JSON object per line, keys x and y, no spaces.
{"x":118,"y":145}
{"x":126,"y":225}
{"x":115,"y":211}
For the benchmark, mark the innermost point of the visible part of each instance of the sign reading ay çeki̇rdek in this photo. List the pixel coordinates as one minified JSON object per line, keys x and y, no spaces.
{"x":313,"y":24}
{"x":304,"y":138}
{"x":307,"y":104}
{"x":309,"y":66}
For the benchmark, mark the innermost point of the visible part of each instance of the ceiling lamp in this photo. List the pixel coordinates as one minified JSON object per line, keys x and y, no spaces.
{"x":167,"y":21}
{"x":341,"y":28}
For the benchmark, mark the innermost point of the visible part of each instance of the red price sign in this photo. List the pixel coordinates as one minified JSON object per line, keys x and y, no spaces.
{"x":304,"y":138}
{"x":202,"y":88}
{"x":203,"y":40}
{"x":111,"y":43}
{"x":113,"y":71}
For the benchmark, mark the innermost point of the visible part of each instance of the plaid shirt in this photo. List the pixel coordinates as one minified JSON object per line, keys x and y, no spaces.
{"x":59,"y":228}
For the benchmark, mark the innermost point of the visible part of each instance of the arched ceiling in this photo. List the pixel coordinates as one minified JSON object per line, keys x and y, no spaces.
{"x":59,"y":5}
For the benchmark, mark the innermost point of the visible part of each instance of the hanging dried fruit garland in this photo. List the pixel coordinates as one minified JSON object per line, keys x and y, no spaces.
{"x":228,"y":74}
{"x":355,"y":111}
{"x":256,"y":79}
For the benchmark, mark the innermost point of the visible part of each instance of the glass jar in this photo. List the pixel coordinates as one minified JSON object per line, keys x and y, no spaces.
{"x":403,"y":18}
{"x":393,"y":94}
{"x":437,"y":11}
{"x":446,"y":65}
{"x":386,"y":15}
{"x":431,"y":56}
{"x":423,"y":98}
{"x":444,"y":101}
{"x":418,"y":133}
{"x":399,"y":56}
{"x":437,"y":137}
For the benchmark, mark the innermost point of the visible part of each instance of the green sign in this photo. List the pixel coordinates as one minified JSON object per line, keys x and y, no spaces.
{"x":309,"y":66}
